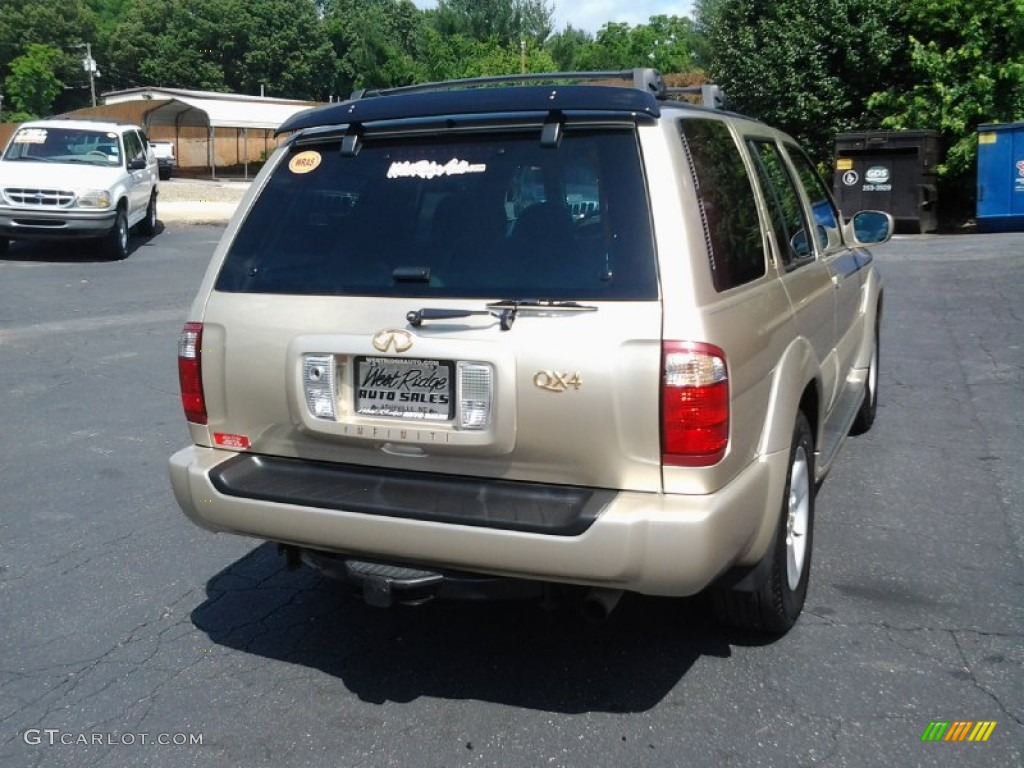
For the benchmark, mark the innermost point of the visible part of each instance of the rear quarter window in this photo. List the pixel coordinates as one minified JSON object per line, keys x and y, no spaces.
{"x":728,"y":208}
{"x":488,"y":215}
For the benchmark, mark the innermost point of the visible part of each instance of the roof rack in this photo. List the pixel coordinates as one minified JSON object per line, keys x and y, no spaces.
{"x":472,"y":96}
{"x":644,"y":79}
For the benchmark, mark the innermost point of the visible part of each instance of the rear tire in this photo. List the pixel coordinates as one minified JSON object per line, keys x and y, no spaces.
{"x":115,"y":242}
{"x":775,"y":605}
{"x":866,"y":415}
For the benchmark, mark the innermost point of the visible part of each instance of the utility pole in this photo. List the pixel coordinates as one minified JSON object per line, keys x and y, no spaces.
{"x":522,"y":38}
{"x":89,"y":65}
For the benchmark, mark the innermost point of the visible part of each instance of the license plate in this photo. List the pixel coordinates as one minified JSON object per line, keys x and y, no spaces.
{"x":405,"y":388}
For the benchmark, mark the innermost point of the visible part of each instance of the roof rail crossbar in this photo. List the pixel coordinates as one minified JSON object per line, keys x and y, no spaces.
{"x":648,"y":80}
{"x":711,"y":95}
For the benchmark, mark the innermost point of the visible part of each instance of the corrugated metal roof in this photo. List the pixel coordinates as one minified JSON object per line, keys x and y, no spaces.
{"x":218,"y":110}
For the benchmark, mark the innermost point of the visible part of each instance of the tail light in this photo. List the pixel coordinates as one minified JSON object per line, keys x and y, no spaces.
{"x":694,"y":404}
{"x":190,"y":372}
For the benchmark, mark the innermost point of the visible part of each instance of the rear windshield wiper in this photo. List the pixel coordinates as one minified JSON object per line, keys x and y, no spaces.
{"x":505,"y":310}
{"x":416,"y":317}
{"x":541,"y":304}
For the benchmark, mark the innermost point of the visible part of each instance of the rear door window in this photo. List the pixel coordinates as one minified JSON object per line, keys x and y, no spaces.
{"x":826,"y":216}
{"x":487,"y":215}
{"x":783,"y":201}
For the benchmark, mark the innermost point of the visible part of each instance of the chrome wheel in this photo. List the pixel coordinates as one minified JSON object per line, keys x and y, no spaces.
{"x":774,"y":599}
{"x":115,"y":244}
{"x":797,"y":517}
{"x":866,"y":415}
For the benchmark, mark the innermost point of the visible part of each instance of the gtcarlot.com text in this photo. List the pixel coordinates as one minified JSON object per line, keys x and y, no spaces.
{"x":57,"y":737}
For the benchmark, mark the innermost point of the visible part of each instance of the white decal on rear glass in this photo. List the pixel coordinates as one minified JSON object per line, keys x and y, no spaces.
{"x":428,"y":169}
{"x":31,"y":136}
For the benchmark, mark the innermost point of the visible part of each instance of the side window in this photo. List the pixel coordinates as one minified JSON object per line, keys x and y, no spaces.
{"x":727,"y":205}
{"x":132,"y":145}
{"x":826,"y":216}
{"x":788,"y":221}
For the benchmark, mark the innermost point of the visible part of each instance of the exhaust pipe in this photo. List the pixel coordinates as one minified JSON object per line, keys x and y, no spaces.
{"x":598,"y":604}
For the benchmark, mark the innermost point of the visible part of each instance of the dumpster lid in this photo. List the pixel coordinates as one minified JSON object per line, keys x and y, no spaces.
{"x":989,"y":127}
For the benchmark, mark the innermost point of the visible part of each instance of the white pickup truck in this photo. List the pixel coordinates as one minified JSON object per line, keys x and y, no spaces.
{"x":164,"y":151}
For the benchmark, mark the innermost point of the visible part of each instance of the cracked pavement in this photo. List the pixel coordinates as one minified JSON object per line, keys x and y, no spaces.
{"x":120,"y":618}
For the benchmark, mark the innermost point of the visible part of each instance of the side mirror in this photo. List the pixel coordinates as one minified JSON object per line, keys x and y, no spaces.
{"x":871,"y":227}
{"x":798,"y":243}
{"x":137,"y":164}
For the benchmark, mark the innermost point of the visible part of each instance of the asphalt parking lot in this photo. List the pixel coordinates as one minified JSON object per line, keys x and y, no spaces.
{"x":122,"y":625}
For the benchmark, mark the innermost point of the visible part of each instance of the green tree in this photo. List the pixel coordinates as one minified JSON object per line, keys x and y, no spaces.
{"x":175,"y":43}
{"x":376,"y":42}
{"x":32,"y":86}
{"x":283,"y":47}
{"x":226,"y":45}
{"x":966,"y":67}
{"x":506,"y":21}
{"x":568,"y":47}
{"x":108,"y":13}
{"x":665,"y":43}
{"x":448,"y":57}
{"x":807,"y":68}
{"x":60,"y":24}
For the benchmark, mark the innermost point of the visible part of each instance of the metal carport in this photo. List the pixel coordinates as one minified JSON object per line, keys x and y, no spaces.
{"x":208,"y":110}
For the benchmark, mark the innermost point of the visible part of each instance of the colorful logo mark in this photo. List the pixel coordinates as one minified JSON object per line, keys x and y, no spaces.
{"x":958,"y":730}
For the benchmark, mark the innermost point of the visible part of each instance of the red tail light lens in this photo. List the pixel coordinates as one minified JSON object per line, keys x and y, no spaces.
{"x":190,"y":372}
{"x":694,"y":404}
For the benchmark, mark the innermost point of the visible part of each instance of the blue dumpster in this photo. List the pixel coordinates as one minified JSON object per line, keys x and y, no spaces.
{"x":1001,"y":177}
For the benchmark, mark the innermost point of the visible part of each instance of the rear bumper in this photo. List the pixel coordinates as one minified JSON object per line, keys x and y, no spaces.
{"x":645,"y":542}
{"x":30,"y":224}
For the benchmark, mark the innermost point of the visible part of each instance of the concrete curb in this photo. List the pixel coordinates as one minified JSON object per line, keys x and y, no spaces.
{"x":192,"y":212}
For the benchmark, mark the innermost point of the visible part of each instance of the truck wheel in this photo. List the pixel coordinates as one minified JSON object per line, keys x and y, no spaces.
{"x":115,"y":242}
{"x":4,"y":244}
{"x":147,"y":226}
{"x":776,"y":603}
{"x":866,"y":414}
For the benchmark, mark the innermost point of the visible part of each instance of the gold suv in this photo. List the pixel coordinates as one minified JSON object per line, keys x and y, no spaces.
{"x":463,"y":340}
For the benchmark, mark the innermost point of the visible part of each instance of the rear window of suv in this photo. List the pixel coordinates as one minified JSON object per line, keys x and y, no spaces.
{"x":470,"y":216}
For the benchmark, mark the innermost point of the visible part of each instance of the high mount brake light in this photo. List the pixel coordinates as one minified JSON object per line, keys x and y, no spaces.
{"x":694,"y":404}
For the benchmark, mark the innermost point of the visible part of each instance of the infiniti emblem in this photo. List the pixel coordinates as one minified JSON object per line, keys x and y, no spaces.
{"x":390,"y":338}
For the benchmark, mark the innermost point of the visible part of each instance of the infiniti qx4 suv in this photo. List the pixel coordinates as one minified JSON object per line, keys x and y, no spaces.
{"x":533,"y":336}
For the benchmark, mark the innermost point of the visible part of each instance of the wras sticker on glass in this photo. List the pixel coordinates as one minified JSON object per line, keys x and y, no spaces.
{"x":304,"y":162}
{"x":429,"y":169}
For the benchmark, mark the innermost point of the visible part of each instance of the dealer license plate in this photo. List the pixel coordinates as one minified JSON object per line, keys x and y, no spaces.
{"x":405,"y":388}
